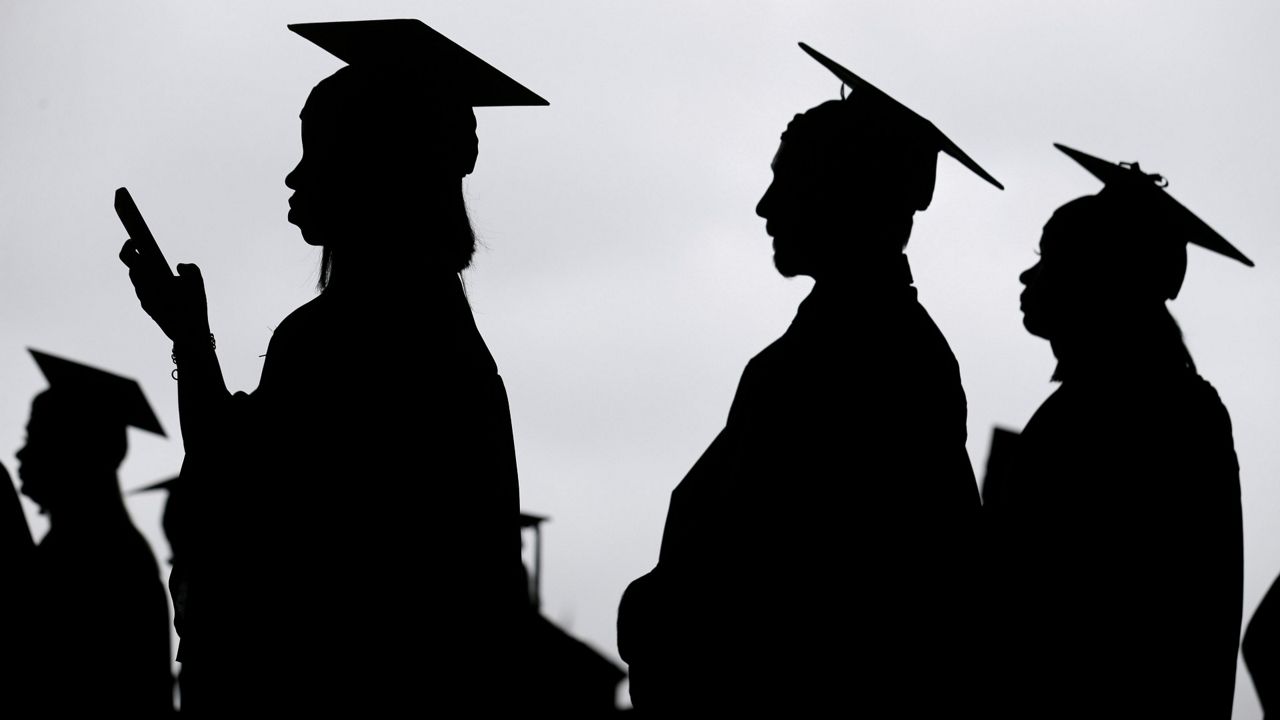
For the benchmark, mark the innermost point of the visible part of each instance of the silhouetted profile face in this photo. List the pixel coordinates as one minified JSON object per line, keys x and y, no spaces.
{"x":1049,"y":285}
{"x":66,"y":446}
{"x":846,"y":184}
{"x":382,"y":163}
{"x":1101,"y":262}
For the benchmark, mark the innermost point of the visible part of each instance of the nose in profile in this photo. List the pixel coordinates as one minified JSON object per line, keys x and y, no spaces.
{"x":291,"y":180}
{"x":1029,"y":274}
{"x":766,"y":202}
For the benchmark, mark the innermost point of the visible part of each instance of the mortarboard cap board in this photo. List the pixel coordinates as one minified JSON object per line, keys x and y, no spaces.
{"x":410,"y":46}
{"x":166,"y":484}
{"x":103,"y":394}
{"x":1129,"y":178}
{"x":862,"y":91}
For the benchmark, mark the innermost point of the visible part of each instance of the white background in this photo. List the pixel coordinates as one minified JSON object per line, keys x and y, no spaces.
{"x":624,"y":279}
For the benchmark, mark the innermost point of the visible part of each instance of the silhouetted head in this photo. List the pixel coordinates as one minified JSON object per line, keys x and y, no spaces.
{"x":837,"y":195}
{"x":1098,"y":262}
{"x":386,"y":142}
{"x":848,"y":178}
{"x":76,"y":432}
{"x":1108,"y":262}
{"x":67,"y":448}
{"x":382,"y":170}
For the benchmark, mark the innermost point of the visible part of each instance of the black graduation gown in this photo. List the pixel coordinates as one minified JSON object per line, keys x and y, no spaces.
{"x":815,"y":557}
{"x":1117,"y":552}
{"x":356,"y":532}
{"x":98,"y":620}
{"x":16,"y":552}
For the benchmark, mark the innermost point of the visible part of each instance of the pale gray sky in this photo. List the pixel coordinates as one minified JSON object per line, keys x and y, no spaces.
{"x":625,"y":279}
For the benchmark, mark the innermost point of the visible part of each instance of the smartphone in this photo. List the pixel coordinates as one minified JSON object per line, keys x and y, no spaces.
{"x":138,"y":231}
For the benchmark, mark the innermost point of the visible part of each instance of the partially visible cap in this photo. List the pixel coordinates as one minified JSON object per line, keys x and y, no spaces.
{"x":166,"y":484}
{"x":1145,"y":195}
{"x":101,"y":394}
{"x":922,"y":132}
{"x":445,"y":68}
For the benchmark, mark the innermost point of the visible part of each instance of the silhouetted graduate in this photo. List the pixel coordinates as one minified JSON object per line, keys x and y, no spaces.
{"x":815,"y":558}
{"x":562,"y":676}
{"x":16,"y":551}
{"x":171,"y":524}
{"x":1117,"y":532}
{"x":97,"y":620}
{"x":353,"y":525}
{"x":15,"y":537}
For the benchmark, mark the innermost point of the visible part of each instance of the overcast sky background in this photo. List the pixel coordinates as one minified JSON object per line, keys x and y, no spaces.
{"x":625,"y":279}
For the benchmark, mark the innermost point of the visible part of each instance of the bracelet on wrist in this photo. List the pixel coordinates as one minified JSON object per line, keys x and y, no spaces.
{"x":173,"y":354}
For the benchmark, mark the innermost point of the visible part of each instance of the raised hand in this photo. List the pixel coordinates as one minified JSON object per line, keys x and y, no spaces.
{"x":176,"y":302}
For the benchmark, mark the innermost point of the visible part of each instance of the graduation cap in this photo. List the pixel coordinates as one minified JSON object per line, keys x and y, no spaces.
{"x":919,"y":131}
{"x":1147,"y":194}
{"x":409,"y":47}
{"x":407,"y":82}
{"x":103,"y":395}
{"x":166,"y":484}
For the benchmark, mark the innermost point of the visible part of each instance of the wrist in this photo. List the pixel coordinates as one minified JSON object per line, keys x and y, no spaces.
{"x":195,"y":335}
{"x":190,"y":346}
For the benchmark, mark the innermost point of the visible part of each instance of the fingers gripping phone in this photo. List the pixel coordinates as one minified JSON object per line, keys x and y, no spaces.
{"x":132,"y":220}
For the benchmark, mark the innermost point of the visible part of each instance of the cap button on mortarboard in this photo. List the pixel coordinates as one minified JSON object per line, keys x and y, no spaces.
{"x":1149,"y":190}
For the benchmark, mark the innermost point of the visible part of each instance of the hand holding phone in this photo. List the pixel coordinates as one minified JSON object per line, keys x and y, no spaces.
{"x":176,"y":302}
